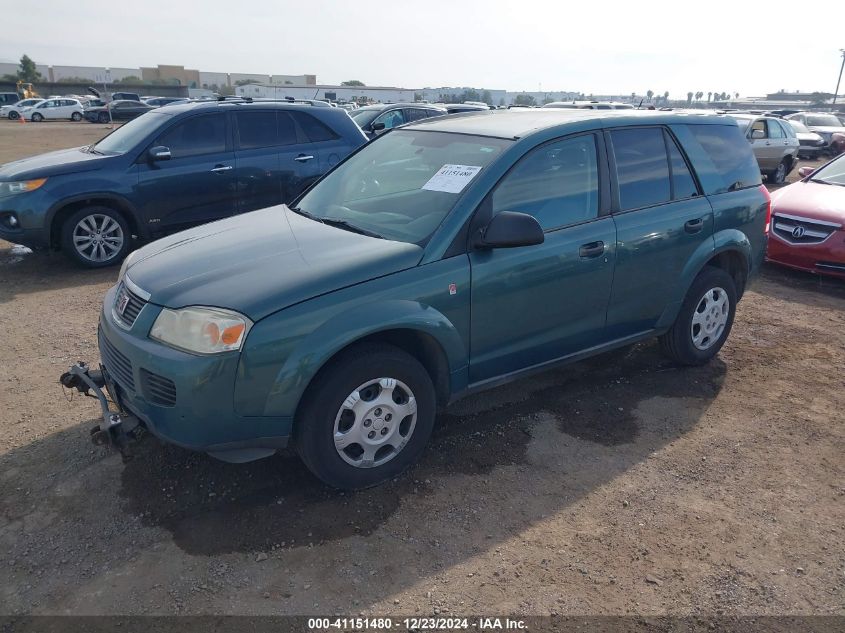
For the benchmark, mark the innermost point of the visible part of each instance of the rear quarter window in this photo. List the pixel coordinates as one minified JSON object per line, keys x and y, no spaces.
{"x":315,"y":130}
{"x":730,"y":154}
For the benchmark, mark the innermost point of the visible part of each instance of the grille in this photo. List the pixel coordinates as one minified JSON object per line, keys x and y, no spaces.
{"x":117,"y":364}
{"x":158,"y":389}
{"x":806,"y":142}
{"x":133,"y":306}
{"x":798,"y":230}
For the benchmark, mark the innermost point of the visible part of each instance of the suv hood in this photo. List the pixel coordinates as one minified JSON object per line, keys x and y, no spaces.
{"x":262,"y":262}
{"x":64,"y":161}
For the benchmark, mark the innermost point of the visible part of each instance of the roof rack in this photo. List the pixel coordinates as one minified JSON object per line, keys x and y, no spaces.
{"x":234,"y":98}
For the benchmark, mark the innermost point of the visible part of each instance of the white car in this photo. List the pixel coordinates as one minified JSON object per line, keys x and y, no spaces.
{"x":13,"y":111}
{"x":51,"y":109}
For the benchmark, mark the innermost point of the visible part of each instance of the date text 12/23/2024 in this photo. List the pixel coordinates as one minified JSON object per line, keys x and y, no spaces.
{"x":416,"y":624}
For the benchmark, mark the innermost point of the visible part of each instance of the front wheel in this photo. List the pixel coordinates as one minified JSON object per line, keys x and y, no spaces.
{"x":367,"y":417}
{"x":103,"y":117}
{"x":96,"y":237}
{"x":37,"y":117}
{"x":76,"y":116}
{"x":13,"y":116}
{"x":705,"y":319}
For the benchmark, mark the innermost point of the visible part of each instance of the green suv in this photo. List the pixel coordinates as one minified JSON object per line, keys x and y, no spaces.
{"x":444,"y":257}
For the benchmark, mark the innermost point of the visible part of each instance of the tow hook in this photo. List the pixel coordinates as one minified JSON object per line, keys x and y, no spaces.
{"x":117,"y":427}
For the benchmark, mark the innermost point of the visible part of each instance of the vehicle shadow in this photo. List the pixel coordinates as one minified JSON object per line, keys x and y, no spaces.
{"x":782,"y":282}
{"x":529,"y":449}
{"x":23,"y":271}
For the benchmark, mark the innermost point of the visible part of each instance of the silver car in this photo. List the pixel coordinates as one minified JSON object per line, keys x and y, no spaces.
{"x":774,"y":143}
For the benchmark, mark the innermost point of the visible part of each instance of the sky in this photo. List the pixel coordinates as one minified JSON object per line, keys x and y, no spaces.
{"x":594,"y":47}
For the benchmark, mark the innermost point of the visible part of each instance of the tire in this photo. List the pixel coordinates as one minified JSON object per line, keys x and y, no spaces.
{"x":103,"y":117}
{"x":76,"y":116}
{"x":96,"y":237}
{"x":14,"y":116}
{"x":778,"y":176}
{"x":380,"y":403}
{"x":37,"y":117}
{"x":700,"y":329}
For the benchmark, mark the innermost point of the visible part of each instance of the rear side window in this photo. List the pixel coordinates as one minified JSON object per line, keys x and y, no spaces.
{"x":731,"y":155}
{"x":195,"y":136}
{"x":556,"y":183}
{"x":642,"y":168}
{"x":775,"y":131}
{"x":315,"y":130}
{"x":683,"y":184}
{"x":256,"y":129}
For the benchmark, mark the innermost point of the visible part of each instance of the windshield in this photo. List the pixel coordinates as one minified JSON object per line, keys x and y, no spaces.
{"x":127,"y":136}
{"x":363,"y":117}
{"x":799,"y":127}
{"x":823,"y":120}
{"x":388,"y":188}
{"x":833,"y":173}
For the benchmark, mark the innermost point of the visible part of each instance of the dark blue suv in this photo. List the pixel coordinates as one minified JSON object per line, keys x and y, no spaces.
{"x":169,"y":169}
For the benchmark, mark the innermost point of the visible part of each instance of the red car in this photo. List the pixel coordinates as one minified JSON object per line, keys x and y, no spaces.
{"x":808,"y":221}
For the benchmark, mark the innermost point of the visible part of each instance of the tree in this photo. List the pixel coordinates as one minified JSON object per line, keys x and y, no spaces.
{"x":352,"y":82}
{"x":666,"y":97}
{"x":486,"y":97}
{"x":524,"y":99}
{"x":28,"y":72}
{"x":75,"y":80}
{"x":649,"y":94}
{"x":689,"y":98}
{"x":129,"y":79}
{"x":736,"y":95}
{"x":244,"y":82}
{"x":709,"y":94}
{"x":698,"y":95}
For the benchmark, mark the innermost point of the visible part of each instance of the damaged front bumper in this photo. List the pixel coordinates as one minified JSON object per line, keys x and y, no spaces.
{"x":117,"y":428}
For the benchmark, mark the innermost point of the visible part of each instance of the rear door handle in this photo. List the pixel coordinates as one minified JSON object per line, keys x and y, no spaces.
{"x":221,"y":168}
{"x":302,"y":158}
{"x":694,"y":226}
{"x":593,"y":249}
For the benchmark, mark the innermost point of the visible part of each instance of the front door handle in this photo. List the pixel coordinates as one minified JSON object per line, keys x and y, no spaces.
{"x":220,"y":169}
{"x":302,"y":158}
{"x":593,"y":249}
{"x":694,"y":226}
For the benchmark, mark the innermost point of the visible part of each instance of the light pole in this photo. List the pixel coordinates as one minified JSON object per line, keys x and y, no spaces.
{"x":836,"y":92}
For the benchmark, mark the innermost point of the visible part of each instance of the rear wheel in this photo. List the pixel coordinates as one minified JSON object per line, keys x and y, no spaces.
{"x":76,"y":116}
{"x":778,"y":176}
{"x":367,"y":417}
{"x":37,"y":117}
{"x":96,"y":237}
{"x":705,"y":319}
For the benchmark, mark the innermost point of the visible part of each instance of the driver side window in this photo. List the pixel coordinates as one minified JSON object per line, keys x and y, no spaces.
{"x":391,"y":119}
{"x":556,"y":183}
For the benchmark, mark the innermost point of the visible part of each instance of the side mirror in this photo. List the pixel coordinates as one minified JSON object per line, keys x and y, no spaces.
{"x":159,"y":152}
{"x":806,"y":171}
{"x":509,"y":229}
{"x":755,"y":134}
{"x":377,"y":127}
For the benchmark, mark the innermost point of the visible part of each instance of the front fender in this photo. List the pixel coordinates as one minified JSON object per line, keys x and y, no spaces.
{"x":344,"y":329}
{"x":284,"y":352}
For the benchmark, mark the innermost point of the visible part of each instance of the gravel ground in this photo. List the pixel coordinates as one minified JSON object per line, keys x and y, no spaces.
{"x":620,"y":485}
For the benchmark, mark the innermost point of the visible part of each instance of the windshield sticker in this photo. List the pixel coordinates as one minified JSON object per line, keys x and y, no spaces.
{"x":451,"y":178}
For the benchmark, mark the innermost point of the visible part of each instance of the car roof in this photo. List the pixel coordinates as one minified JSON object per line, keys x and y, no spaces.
{"x":178,"y":108}
{"x":521,"y":123}
{"x":382,"y":106}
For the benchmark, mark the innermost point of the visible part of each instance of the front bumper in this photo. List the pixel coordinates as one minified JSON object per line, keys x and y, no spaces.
{"x":825,"y":258}
{"x":182,"y":398}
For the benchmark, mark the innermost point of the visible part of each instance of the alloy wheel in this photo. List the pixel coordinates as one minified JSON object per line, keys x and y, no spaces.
{"x":98,"y":237}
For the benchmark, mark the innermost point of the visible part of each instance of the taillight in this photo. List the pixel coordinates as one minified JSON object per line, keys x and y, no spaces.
{"x":768,"y":208}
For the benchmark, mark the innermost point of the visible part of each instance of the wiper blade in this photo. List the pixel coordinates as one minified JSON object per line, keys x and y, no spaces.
{"x":820,"y":181}
{"x":343,"y":224}
{"x":305,"y":214}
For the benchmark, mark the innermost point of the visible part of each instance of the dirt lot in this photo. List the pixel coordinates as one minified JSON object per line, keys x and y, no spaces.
{"x":619,"y":485}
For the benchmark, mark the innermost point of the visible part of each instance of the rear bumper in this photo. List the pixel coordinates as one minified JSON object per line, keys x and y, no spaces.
{"x":826,"y":258}
{"x":195,"y":407}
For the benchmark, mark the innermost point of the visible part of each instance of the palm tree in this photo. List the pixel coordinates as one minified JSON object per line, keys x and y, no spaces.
{"x":736,"y":95}
{"x":709,"y":94}
{"x":666,"y":97}
{"x":689,"y":98}
{"x":649,"y":94}
{"x":698,"y":95}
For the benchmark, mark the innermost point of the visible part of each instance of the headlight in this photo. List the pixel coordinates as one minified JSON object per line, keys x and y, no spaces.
{"x":201,"y":330}
{"x":20,"y":186}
